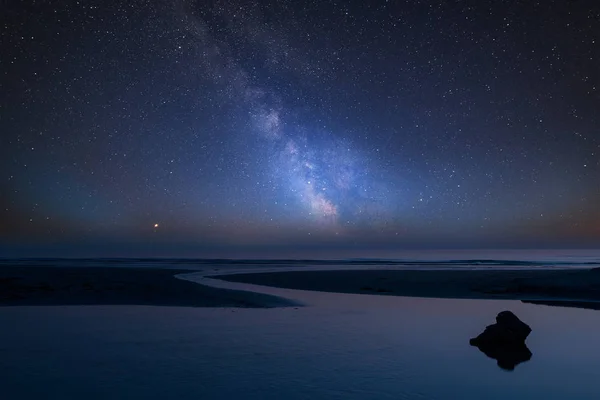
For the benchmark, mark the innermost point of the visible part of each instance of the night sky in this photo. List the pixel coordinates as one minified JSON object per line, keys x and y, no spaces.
{"x":220,"y":128}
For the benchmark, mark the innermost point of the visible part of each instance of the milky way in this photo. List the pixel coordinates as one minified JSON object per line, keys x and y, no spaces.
{"x":320,"y":176}
{"x":187,"y":126}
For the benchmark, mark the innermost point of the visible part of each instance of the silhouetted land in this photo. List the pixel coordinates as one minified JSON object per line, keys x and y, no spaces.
{"x":117,"y":286}
{"x":148,"y":286}
{"x":567,"y":288}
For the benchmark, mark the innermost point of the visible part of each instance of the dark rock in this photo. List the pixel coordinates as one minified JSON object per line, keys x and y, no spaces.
{"x":504,"y":341}
{"x":507,"y":329}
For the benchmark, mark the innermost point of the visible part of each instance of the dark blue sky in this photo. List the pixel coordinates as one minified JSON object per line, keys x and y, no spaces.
{"x":172,"y":127}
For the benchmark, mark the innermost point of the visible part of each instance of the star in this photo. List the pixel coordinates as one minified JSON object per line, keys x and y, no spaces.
{"x":232,"y":122}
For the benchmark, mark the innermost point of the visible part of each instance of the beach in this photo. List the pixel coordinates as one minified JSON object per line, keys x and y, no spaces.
{"x":122,"y":333}
{"x":36,"y":286}
{"x":561,"y":287}
{"x":161,"y":287}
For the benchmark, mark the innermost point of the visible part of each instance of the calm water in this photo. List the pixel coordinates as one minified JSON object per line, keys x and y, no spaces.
{"x":411,"y":259}
{"x":337,"y":347}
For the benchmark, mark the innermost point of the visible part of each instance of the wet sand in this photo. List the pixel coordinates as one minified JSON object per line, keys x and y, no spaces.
{"x":160,"y":287}
{"x":35,"y":286}
{"x":577,"y":288}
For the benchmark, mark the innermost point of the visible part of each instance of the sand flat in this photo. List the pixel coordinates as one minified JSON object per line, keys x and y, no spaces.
{"x":148,"y":286}
{"x":34,"y":286}
{"x":581,"y":285}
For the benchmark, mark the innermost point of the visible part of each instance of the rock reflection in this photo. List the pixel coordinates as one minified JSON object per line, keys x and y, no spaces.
{"x":504,"y":341}
{"x":508,"y":356}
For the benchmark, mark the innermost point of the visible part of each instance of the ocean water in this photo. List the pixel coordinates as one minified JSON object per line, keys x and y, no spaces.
{"x":405,"y":259}
{"x":338,"y":346}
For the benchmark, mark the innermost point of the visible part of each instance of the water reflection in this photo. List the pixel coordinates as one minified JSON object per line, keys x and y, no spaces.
{"x":504,"y":341}
{"x":338,"y":347}
{"x":508,"y":356}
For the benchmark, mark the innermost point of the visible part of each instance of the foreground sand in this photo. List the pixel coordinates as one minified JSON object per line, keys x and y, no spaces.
{"x":571,"y":288}
{"x":118,"y":286}
{"x":145,"y":286}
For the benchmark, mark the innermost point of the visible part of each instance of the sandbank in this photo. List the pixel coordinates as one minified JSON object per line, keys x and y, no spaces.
{"x":561,"y":287}
{"x":39,"y":286}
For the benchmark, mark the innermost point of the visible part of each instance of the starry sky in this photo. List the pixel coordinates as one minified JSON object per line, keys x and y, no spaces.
{"x":218,"y":128}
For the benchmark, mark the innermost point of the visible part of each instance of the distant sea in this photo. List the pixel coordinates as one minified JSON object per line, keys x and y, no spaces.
{"x":460,"y":259}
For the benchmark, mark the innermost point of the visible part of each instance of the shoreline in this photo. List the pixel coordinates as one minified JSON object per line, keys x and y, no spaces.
{"x":578,"y":288}
{"x":40,"y":286}
{"x":54,"y":286}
